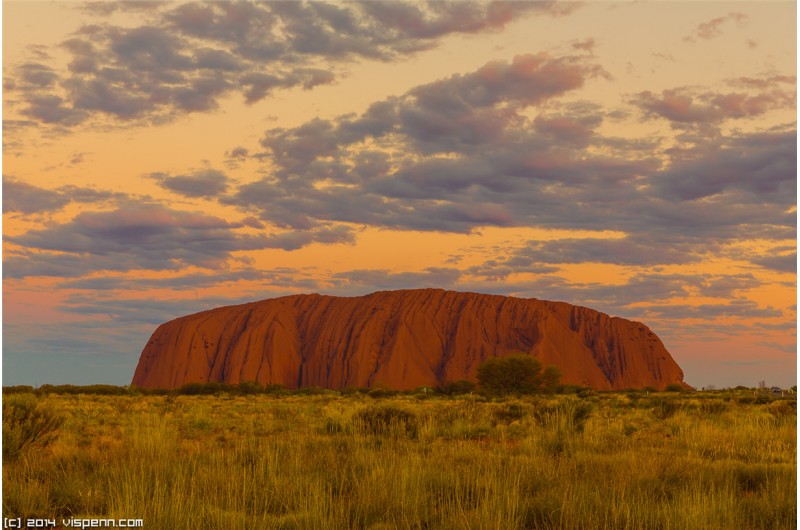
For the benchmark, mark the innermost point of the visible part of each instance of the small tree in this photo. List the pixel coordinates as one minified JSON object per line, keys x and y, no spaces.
{"x":550,"y":378}
{"x":516,"y":374}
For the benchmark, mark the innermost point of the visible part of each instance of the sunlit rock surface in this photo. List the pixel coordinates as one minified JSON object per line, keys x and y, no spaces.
{"x":399,"y":339}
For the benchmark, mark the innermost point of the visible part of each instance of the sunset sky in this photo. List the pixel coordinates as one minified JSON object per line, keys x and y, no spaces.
{"x":164,"y":158}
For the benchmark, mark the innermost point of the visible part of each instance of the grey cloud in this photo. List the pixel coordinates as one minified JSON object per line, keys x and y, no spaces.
{"x":786,"y":348}
{"x":621,"y":251}
{"x":283,"y":278}
{"x":188,"y":56}
{"x":37,"y":75}
{"x":682,"y":106}
{"x":51,"y":109}
{"x":21,"y":197}
{"x":649,"y":297}
{"x":151,"y":237}
{"x":237,"y":153}
{"x":713,"y":28}
{"x":131,"y":237}
{"x":763,"y":164}
{"x":204,"y":183}
{"x":779,"y":262}
{"x":326,"y":235}
{"x":368,"y":280}
{"x":106,"y":7}
{"x":570,"y":129}
{"x":765,"y":82}
{"x":735,"y":308}
{"x":142,"y":311}
{"x":515,"y":171}
{"x":91,"y":195}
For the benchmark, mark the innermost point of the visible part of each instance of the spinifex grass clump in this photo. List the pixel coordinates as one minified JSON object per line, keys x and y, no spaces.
{"x":27,"y":423}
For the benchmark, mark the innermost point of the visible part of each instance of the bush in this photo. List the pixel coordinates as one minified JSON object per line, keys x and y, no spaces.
{"x":457,"y":388}
{"x":516,"y":374}
{"x":250,"y":387}
{"x":510,"y":412}
{"x":381,"y":392}
{"x":713,"y":407}
{"x":674,"y":387}
{"x":200,"y":389}
{"x":666,"y":408}
{"x":27,"y":423}
{"x":386,"y":419}
{"x":352,"y":390}
{"x":18,"y":389}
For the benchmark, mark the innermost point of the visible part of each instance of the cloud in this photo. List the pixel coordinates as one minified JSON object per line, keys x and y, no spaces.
{"x":279,"y":278}
{"x":369,"y":280}
{"x":149,"y":236}
{"x":327,"y":235}
{"x":475,"y":116}
{"x":204,"y":183}
{"x":778,"y":262}
{"x":237,"y":153}
{"x":680,"y":106}
{"x":713,"y":28}
{"x":631,"y":250}
{"x":131,"y":237}
{"x":762,"y":167}
{"x":36,"y":75}
{"x":188,"y":56}
{"x":21,"y":197}
{"x":462,"y":153}
{"x":739,"y":308}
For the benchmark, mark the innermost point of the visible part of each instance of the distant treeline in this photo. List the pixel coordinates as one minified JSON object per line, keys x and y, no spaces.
{"x":251,"y":387}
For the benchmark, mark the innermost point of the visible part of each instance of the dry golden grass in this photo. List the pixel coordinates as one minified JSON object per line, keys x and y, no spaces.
{"x":606,"y":461}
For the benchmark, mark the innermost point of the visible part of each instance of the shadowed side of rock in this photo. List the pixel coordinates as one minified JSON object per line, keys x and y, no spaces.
{"x":399,"y":339}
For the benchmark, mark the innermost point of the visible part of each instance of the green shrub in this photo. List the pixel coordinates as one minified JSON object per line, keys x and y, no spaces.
{"x":712,"y":407}
{"x":783,"y":410}
{"x":762,"y":399}
{"x":18,"y":389}
{"x":516,"y":374}
{"x":571,"y":389}
{"x":275,"y":389}
{"x":456,"y":388}
{"x":311,"y":391}
{"x":674,"y":387}
{"x":386,"y":419}
{"x":351,"y":390}
{"x":665,"y":408}
{"x":27,"y":423}
{"x":250,"y":387}
{"x":510,"y":412}
{"x":198,"y":389}
{"x":381,"y":393}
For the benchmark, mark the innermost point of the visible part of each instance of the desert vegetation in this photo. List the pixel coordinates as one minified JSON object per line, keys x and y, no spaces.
{"x":241,"y":456}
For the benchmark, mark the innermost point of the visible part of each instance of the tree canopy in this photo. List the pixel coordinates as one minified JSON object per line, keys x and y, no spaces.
{"x":517,"y":374}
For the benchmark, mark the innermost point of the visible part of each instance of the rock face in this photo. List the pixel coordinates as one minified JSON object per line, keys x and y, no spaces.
{"x":399,"y":339}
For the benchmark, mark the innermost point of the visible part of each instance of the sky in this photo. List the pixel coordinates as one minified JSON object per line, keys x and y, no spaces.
{"x":159,"y":159}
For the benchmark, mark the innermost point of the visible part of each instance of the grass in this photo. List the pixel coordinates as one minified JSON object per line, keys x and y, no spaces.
{"x":328,"y":461}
